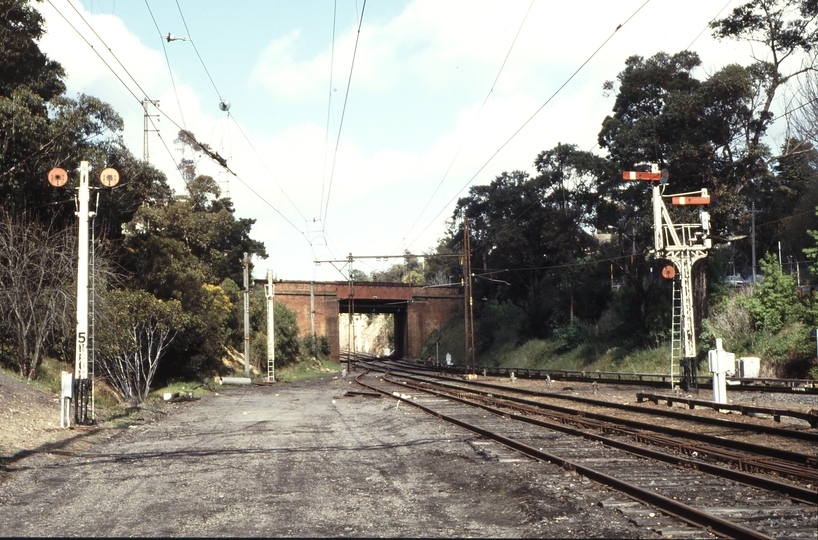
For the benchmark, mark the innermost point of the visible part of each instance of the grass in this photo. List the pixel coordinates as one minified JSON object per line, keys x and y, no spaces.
{"x":542,"y":354}
{"x":310,"y":369}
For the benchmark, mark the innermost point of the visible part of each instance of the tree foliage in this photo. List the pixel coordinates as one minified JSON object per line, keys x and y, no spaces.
{"x":136,"y":331}
{"x":37,"y":287}
{"x":774,"y":302}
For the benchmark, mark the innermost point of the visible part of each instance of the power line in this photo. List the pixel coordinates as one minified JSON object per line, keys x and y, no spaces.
{"x":201,"y":146}
{"x":192,"y":42}
{"x":329,"y":106}
{"x":343,"y":112}
{"x":486,"y":240}
{"x":517,"y":132}
{"x":463,"y":142}
{"x":167,"y":60}
{"x":264,"y":164}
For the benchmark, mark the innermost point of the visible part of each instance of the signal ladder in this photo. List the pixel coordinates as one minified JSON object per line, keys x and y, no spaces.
{"x":676,"y":352}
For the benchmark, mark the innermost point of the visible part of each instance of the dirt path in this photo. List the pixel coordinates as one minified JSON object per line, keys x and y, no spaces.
{"x":296,"y":460}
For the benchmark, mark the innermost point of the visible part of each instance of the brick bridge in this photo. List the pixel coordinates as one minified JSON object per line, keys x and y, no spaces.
{"x":417,"y":310}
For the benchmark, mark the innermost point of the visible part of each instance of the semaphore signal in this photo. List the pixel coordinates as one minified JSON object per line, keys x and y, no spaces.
{"x":78,"y":387}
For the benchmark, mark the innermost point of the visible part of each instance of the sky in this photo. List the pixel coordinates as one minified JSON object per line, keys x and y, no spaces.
{"x":334,"y":157}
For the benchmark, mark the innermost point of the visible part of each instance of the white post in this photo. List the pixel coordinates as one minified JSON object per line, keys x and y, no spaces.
{"x":81,"y":352}
{"x":246,"y":315}
{"x":720,"y":362}
{"x":271,"y":351}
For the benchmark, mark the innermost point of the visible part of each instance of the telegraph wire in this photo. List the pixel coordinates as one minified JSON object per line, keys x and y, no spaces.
{"x":343,"y":111}
{"x":167,"y":60}
{"x":201,"y":146}
{"x":329,"y":106}
{"x":517,"y":132}
{"x":264,"y":164}
{"x":708,"y":24}
{"x":463,"y":142}
{"x":192,"y":42}
{"x":597,"y":144}
{"x":231,"y":117}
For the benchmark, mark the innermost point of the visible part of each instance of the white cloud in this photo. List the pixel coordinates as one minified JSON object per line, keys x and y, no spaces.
{"x":420,"y":78}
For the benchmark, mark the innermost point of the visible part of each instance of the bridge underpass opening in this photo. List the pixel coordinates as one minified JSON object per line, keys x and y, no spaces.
{"x":378,"y":327}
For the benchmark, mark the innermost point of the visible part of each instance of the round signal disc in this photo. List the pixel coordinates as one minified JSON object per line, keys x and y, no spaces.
{"x":57,"y":177}
{"x":668,"y":272}
{"x":109,"y":177}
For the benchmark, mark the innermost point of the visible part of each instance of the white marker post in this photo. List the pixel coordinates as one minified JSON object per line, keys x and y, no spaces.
{"x":81,"y":382}
{"x":271,"y":342}
{"x":81,"y":385}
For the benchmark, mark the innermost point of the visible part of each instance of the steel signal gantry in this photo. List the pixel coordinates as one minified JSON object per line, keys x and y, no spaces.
{"x":683,"y":245}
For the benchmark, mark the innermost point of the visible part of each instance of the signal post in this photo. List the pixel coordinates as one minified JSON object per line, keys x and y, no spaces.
{"x":683,"y":245}
{"x":81,"y":388}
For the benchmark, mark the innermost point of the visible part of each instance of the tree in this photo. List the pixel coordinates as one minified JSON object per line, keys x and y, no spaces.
{"x":527,"y":232}
{"x":136,"y":331}
{"x":37,"y":287}
{"x":774,"y":302}
{"x":22,"y":63}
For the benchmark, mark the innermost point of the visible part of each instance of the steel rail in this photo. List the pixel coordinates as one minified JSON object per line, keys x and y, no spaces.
{"x":798,"y":386}
{"x":666,"y":504}
{"x":796,"y":492}
{"x":727,"y":424}
{"x":745,"y":463}
{"x":796,"y":457}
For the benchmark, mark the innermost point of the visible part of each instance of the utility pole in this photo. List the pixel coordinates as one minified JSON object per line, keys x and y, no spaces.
{"x":350,"y":330}
{"x":146,"y":129}
{"x":468,"y":304}
{"x":271,"y":342}
{"x":753,"y":239}
{"x":246,"y":314}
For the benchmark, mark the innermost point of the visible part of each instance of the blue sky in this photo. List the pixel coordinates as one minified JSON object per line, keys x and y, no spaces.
{"x":423,"y":115}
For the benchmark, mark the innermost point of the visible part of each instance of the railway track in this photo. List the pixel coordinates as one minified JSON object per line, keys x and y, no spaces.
{"x":725,"y":485}
{"x":655,"y":380}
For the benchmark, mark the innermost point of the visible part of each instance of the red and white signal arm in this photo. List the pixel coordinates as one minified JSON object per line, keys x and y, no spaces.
{"x":668,"y":272}
{"x":690,"y":201}
{"x":641,"y":175}
{"x":109,"y":177}
{"x":57,"y":177}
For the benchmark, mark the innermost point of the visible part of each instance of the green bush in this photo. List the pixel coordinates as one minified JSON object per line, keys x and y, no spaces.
{"x":774,"y":302}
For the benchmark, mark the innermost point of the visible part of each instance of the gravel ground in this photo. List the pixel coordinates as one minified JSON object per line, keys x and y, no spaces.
{"x":297,"y":459}
{"x":294,"y":460}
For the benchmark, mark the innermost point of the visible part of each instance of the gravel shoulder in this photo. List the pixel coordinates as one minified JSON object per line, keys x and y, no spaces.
{"x":298,"y":459}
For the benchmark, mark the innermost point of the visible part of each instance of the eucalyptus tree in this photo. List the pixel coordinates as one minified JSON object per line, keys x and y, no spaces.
{"x":37,"y":286}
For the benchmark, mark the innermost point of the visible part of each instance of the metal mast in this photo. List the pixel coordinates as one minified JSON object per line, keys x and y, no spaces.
{"x":81,"y":383}
{"x":271,"y":352}
{"x":683,"y":245}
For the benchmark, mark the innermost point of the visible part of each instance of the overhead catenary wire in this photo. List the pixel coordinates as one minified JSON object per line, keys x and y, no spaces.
{"x":329,"y":106}
{"x":110,"y":68}
{"x":465,"y":138}
{"x":524,"y":124}
{"x":193,"y":42}
{"x":203,"y":147}
{"x":529,"y":207}
{"x":167,"y":61}
{"x":343,"y":112}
